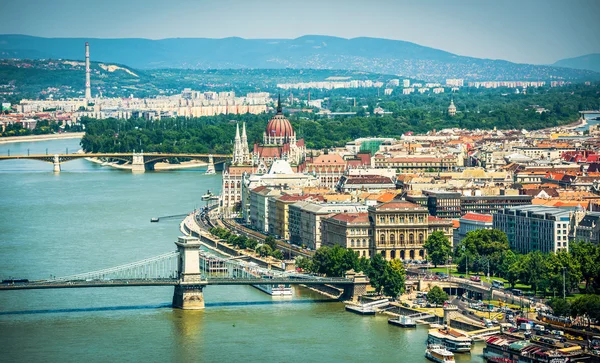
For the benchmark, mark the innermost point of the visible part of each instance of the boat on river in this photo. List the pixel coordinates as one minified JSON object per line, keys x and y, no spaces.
{"x":207,"y":196}
{"x":280,"y":290}
{"x":453,"y":340}
{"x":438,"y":353}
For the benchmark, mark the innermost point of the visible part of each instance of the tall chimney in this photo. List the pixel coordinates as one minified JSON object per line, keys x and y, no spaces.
{"x":88,"y":91}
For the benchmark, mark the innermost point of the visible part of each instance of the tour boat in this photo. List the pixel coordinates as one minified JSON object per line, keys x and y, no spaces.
{"x":207,"y":196}
{"x":403,"y":321}
{"x":281,"y":290}
{"x":453,"y":340}
{"x":439,"y":354}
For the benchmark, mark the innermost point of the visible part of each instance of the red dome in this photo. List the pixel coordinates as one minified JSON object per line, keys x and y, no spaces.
{"x":279,"y":126}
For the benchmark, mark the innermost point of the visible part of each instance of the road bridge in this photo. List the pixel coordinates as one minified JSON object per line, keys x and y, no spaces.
{"x":189,"y":271}
{"x":139,"y":162}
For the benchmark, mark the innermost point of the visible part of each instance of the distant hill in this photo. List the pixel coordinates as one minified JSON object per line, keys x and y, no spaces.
{"x":311,"y":51}
{"x":590,"y":62}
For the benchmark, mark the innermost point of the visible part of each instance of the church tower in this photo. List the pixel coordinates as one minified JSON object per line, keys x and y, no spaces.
{"x":237,"y":147}
{"x":246,"y":159}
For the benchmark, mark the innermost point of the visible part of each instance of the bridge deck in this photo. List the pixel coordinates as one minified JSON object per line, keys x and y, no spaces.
{"x":167,"y":282}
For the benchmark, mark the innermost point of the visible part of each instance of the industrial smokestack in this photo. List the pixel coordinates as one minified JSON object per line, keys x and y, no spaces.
{"x":88,"y":91}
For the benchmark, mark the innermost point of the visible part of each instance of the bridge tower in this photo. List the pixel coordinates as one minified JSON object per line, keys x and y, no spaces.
{"x":56,"y":163}
{"x":137,"y":163}
{"x":359,"y":286}
{"x":450,"y":312}
{"x":188,"y":293}
{"x":211,"y":165}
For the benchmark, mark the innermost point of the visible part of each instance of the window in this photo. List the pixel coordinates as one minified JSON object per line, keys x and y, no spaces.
{"x":392,"y":239}
{"x":401,"y":239}
{"x":411,"y":238}
{"x":352,"y":243}
{"x":392,"y":219}
{"x":381,"y":220}
{"x":420,"y":237}
{"x":382,"y":239}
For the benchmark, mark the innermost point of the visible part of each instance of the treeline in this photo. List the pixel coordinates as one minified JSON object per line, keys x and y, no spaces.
{"x":268,"y":248}
{"x":386,"y":277}
{"x":41,"y":128}
{"x":418,"y":113}
{"x":487,"y":251}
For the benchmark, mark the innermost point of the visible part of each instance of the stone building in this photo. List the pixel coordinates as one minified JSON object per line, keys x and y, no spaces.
{"x":399,"y":229}
{"x":349,"y":230}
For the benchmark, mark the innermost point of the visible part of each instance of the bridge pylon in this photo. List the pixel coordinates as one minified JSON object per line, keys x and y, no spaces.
{"x":188,"y":293}
{"x":359,"y":285}
{"x":137,"y":163}
{"x":56,"y":163}
{"x":210,"y":169}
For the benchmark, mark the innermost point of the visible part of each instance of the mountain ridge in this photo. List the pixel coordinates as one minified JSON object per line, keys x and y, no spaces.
{"x":590,"y":62}
{"x":370,"y":54}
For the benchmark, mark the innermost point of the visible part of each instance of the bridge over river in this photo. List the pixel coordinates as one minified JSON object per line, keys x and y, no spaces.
{"x":139,"y":162}
{"x":189,"y":270}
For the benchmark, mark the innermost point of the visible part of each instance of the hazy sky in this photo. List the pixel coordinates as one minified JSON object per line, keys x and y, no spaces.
{"x":528,"y":31}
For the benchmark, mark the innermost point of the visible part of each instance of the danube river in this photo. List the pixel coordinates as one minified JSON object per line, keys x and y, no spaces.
{"x":91,"y":217}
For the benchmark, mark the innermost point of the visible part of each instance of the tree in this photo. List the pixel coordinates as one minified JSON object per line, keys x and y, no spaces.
{"x":271,"y":242}
{"x":277,"y":254}
{"x":560,"y":307}
{"x":264,"y":250}
{"x":393,"y":278}
{"x":586,"y":254}
{"x":437,"y":296}
{"x":304,"y":263}
{"x":376,"y":271}
{"x":438,"y":248}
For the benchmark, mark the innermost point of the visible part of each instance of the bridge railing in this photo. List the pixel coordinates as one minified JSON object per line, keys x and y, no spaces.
{"x":164,"y":266}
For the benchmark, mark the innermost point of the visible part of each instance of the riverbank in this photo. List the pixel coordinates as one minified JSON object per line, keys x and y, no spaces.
{"x":34,"y":138}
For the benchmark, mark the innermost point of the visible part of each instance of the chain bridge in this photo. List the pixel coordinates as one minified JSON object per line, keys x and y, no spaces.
{"x":139,"y":162}
{"x":189,"y":270}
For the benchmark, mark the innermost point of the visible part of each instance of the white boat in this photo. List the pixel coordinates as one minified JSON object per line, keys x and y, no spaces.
{"x":276,"y":290}
{"x":207,"y":196}
{"x":439,"y":354}
{"x":453,"y":340}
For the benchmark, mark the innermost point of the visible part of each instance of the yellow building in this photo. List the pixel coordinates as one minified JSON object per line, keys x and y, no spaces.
{"x":399,"y":229}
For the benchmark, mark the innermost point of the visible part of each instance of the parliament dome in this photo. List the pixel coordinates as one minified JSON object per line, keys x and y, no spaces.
{"x":279,"y":126}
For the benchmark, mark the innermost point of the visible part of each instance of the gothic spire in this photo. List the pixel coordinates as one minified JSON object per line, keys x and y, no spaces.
{"x":237,"y":131}
{"x":279,"y":112}
{"x":244,"y":131}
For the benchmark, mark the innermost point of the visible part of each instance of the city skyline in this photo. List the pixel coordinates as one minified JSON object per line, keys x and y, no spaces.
{"x":538,"y":32}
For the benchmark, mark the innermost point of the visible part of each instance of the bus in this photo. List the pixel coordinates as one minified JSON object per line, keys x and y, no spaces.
{"x":497,"y":284}
{"x":517,"y":292}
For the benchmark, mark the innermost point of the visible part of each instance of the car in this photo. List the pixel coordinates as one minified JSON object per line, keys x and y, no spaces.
{"x":462,"y":276}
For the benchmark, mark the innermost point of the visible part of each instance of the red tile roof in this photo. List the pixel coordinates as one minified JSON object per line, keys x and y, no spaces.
{"x":487,"y":218}
{"x":352,"y":217}
{"x":398,"y":205}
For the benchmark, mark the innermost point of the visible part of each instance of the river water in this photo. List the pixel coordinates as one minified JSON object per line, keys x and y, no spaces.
{"x":91,"y":217}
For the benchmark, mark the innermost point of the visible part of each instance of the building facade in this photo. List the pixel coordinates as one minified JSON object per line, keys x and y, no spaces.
{"x":399,"y":229}
{"x":349,"y":230}
{"x":305,"y":220}
{"x":535,"y":228}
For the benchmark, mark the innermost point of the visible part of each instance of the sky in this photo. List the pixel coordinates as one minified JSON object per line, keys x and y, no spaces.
{"x":523,"y":31}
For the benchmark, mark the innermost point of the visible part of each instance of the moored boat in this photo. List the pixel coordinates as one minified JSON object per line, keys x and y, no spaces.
{"x":453,"y":340}
{"x":280,"y":290}
{"x":438,"y":353}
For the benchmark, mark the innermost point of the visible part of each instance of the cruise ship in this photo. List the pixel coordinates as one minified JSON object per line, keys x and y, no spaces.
{"x":453,"y":340}
{"x":512,"y":349}
{"x":280,"y":290}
